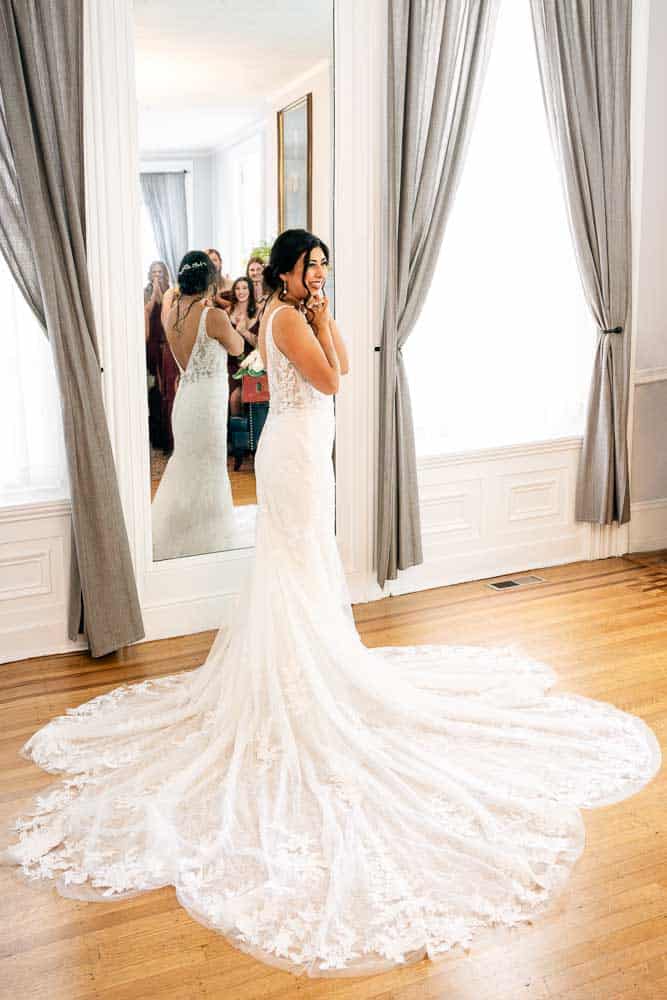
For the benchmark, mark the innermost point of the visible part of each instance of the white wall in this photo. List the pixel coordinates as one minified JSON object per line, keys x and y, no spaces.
{"x":228,"y":162}
{"x":203,"y":197}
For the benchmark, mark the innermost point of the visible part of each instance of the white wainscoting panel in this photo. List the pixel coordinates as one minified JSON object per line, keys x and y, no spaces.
{"x":35,"y":542}
{"x":496,"y":511}
{"x":648,"y":525}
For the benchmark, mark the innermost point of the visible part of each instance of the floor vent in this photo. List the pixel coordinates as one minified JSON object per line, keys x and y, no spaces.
{"x":517,"y":581}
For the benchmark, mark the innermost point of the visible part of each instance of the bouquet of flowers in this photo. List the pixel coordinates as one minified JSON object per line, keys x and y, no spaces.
{"x":252,"y":364}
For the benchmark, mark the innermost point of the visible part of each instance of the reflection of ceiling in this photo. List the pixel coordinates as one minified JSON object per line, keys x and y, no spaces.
{"x":206,"y":67}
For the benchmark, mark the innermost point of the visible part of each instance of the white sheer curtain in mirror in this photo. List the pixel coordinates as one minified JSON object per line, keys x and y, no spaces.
{"x":32,"y":453}
{"x":504,"y":346}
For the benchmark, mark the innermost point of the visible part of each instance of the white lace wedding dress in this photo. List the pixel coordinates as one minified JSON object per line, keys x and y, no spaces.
{"x":193,"y":511}
{"x":330,"y":809}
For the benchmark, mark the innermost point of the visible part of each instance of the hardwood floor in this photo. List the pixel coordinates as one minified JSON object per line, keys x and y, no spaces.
{"x":601,"y":625}
{"x":242,"y":480}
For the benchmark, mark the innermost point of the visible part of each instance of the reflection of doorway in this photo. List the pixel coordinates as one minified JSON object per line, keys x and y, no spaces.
{"x":247,"y":182}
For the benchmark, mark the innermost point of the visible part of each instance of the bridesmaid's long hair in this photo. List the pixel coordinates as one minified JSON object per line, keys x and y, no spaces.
{"x":164,"y":278}
{"x":257,"y":260}
{"x":252,"y":302}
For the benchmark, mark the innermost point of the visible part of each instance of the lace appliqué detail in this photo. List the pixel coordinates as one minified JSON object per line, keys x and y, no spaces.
{"x":209,"y":358}
{"x":287,"y":387}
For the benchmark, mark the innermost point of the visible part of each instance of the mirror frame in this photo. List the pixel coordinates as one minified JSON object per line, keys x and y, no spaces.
{"x":196,"y":593}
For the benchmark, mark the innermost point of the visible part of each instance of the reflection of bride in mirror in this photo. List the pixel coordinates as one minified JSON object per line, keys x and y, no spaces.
{"x":193,"y":511}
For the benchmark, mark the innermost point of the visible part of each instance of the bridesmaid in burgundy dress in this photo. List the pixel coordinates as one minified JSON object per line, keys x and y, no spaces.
{"x":157,"y":285}
{"x":244,"y":317}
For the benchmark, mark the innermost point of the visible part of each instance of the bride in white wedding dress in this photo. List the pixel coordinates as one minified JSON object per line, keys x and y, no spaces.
{"x":330,"y":809}
{"x":193,"y":511}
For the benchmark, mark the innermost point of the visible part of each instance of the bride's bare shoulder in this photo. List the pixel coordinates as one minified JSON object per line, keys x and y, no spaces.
{"x":288,"y":327}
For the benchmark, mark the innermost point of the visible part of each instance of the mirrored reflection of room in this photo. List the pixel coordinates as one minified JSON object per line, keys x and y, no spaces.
{"x":235,"y":143}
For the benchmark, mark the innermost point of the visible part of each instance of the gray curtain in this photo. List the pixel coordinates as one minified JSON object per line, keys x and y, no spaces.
{"x":583,"y":49}
{"x":42,"y":237}
{"x":437,"y":55}
{"x":164,"y":195}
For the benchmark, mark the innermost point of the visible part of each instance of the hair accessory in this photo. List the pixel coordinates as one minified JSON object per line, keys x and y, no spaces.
{"x":191,"y":267}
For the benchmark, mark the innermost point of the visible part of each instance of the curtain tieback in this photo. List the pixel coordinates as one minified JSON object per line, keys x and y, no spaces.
{"x":398,"y":349}
{"x":614,"y":329}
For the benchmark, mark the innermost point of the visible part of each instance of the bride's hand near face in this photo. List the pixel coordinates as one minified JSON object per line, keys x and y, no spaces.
{"x":318,"y":314}
{"x":312,"y":354}
{"x":324,"y":325}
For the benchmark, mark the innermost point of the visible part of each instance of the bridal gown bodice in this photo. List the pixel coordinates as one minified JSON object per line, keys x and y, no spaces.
{"x":193,"y":511}
{"x":330,"y":809}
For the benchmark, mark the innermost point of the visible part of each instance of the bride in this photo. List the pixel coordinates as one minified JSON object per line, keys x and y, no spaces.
{"x":329,"y":808}
{"x":193,"y":511}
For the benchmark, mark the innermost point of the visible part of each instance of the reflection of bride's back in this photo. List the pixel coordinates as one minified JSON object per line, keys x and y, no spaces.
{"x":193,"y":511}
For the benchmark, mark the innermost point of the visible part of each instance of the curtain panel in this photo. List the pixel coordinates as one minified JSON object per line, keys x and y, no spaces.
{"x":42,"y":237}
{"x":438,"y":51}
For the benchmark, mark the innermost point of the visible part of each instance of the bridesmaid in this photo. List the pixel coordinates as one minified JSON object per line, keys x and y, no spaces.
{"x":244,"y":316}
{"x":154,"y":292}
{"x":222,"y":283}
{"x":255,"y":273}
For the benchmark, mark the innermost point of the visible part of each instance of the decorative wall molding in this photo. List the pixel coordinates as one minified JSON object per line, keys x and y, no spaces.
{"x":496,"y":511}
{"x":648,"y":525}
{"x":35,"y":511}
{"x":35,"y":547}
{"x":644,"y":376}
{"x":26,"y":575}
{"x":502,"y":452}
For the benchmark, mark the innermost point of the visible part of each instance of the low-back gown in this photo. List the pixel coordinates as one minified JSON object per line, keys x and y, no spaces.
{"x":193,"y":511}
{"x":331,"y":809}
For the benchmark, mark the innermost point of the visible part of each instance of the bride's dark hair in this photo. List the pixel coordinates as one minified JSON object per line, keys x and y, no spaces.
{"x":196,"y":273}
{"x":285,"y":252}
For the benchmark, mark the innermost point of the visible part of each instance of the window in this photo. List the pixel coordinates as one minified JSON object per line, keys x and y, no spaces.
{"x":149,"y":250}
{"x":503,"y":348}
{"x":32,"y":451}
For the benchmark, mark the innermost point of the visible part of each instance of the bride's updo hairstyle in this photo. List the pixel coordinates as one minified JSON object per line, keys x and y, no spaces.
{"x":196,"y":273}
{"x":285,"y":252}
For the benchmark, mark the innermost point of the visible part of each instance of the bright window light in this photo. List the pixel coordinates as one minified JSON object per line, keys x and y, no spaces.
{"x":503,"y":349}
{"x":32,"y":451}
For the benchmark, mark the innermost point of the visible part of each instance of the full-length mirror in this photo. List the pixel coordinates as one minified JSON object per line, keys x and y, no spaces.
{"x":235,"y":131}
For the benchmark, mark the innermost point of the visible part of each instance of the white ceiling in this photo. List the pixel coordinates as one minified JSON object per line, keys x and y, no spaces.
{"x":205,"y":68}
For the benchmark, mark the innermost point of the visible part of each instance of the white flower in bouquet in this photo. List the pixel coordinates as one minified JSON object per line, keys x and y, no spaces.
{"x":252,"y":364}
